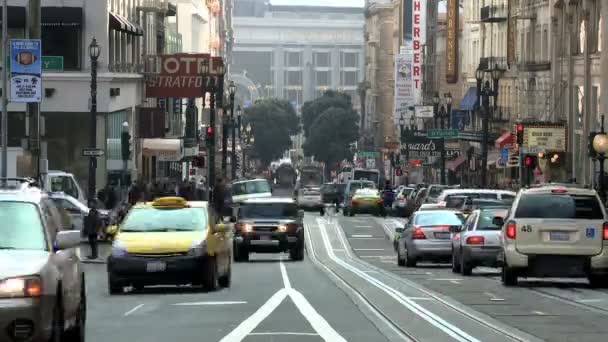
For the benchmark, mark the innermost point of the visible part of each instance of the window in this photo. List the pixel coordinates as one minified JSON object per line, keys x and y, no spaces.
{"x":271,"y":210}
{"x":486,"y":219}
{"x":21,"y":226}
{"x":293,"y":78}
{"x":64,"y":42}
{"x":323,"y":78}
{"x":64,"y":184}
{"x":545,"y":53}
{"x":165,"y":220}
{"x":293,"y":59}
{"x":349,"y":78}
{"x":350,"y":60}
{"x":322,"y":59}
{"x":439,"y":218}
{"x":253,"y":187}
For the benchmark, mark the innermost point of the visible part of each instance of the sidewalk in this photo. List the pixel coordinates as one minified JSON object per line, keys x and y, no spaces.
{"x":104,"y":250}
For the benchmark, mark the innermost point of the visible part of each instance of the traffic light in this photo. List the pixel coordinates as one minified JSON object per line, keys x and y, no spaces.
{"x":198,"y":162}
{"x":590,"y":150}
{"x":398,"y":172}
{"x":210,"y":136}
{"x":530,"y":162}
{"x":520,"y":133}
{"x":125,"y":145}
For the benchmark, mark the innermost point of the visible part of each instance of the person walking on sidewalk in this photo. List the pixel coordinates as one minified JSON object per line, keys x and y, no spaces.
{"x":92,"y":223}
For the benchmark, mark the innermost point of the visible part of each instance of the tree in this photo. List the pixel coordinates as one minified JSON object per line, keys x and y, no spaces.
{"x":331,"y":136}
{"x":311,"y":110}
{"x":273,"y":122}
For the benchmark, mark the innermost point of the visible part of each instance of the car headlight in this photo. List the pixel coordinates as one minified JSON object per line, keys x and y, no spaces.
{"x":198,"y":248}
{"x":119,"y":249}
{"x":20,"y":287}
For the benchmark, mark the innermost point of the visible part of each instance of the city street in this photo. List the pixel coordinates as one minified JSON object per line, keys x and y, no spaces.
{"x":349,"y":288}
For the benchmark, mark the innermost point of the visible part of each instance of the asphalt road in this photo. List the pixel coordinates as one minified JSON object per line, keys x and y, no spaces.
{"x":348,"y":288}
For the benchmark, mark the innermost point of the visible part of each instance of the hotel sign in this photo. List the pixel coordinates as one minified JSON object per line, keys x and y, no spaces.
{"x":181,"y":75}
{"x":418,"y":40}
{"x":451,"y":42}
{"x":545,"y":138}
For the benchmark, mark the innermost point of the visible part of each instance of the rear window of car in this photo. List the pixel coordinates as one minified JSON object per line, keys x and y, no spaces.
{"x":562,"y":206}
{"x":311,"y":193}
{"x":252,"y":187}
{"x":454,"y":201}
{"x":407,"y":191}
{"x":151,"y":219}
{"x":486,"y":218}
{"x":435,"y":191}
{"x":367,"y":192}
{"x":268,"y":210}
{"x":439,"y":218}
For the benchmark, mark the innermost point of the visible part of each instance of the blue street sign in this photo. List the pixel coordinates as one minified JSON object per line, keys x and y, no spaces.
{"x":504,"y":154}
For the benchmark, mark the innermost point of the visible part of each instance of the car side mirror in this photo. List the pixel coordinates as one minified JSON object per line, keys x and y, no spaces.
{"x":399,"y":230}
{"x":455,"y":229}
{"x":67,"y":239}
{"x":301,"y":214}
{"x":498,"y":221}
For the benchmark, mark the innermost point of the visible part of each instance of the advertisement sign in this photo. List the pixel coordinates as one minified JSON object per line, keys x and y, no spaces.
{"x":451,"y":42}
{"x":424,"y":112}
{"x":404,"y":90}
{"x":459,"y":119}
{"x":545,"y":138}
{"x":181,"y":75}
{"x":26,"y":70}
{"x":418,"y":40}
{"x":418,"y":146}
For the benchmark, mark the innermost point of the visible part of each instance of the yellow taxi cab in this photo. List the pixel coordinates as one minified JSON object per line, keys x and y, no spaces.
{"x":169,"y":242}
{"x":366,"y":201}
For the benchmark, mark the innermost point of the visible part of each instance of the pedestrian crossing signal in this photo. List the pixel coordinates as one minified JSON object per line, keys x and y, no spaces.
{"x":209,"y":136}
{"x":520,"y":133}
{"x":398,"y":172}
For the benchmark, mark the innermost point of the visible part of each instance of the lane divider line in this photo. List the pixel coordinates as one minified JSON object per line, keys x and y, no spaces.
{"x":210,"y":303}
{"x":284,"y":333}
{"x":130,"y":312}
{"x":411,"y":305}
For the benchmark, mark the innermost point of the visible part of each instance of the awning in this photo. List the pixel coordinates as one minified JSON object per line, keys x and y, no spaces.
{"x":163,"y":149}
{"x":454,"y":164}
{"x":61,"y":16}
{"x":505,"y":139}
{"x":469,"y":99}
{"x":120,"y":23}
{"x":16,"y":16}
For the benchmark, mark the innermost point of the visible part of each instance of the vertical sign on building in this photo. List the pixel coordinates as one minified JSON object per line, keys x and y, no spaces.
{"x":418,"y":40}
{"x":404,"y":86}
{"x":26,"y":70}
{"x":451,"y":41}
{"x":511,"y":32}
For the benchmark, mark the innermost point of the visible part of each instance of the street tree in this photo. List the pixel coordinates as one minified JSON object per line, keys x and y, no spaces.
{"x":273,"y":122}
{"x":311,"y":110}
{"x":331,"y":136}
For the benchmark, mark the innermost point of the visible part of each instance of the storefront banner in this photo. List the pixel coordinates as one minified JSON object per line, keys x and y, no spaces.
{"x":404,"y":86}
{"x":418,"y":40}
{"x":25,"y":70}
{"x":418,"y":146}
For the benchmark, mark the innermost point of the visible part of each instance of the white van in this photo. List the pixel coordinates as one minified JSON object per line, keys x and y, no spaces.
{"x":60,"y":181}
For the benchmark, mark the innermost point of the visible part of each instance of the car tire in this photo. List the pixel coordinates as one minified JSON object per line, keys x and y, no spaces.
{"x":597,"y":281}
{"x":466,"y":269}
{"x":409,"y":260}
{"x":58,"y":324}
{"x":210,"y":277}
{"x":455,"y":263}
{"x":508,"y":276}
{"x":225,"y":280}
{"x":297,"y":253}
{"x":77,"y":333}
{"x":240,"y":254}
{"x":113,"y":287}
{"x":400,"y":260}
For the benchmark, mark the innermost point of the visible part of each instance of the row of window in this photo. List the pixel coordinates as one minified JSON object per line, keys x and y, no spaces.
{"x":322,"y":59}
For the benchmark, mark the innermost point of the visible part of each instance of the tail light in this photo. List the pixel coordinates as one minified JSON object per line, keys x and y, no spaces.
{"x":475,"y":240}
{"x":418,"y":233}
{"x":605,"y":231}
{"x":511,"y":231}
{"x":354,"y":202}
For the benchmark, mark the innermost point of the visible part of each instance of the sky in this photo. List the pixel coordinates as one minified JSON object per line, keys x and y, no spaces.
{"x":341,"y":3}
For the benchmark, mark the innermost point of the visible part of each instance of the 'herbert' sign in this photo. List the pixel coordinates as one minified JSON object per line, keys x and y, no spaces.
{"x":181,"y":75}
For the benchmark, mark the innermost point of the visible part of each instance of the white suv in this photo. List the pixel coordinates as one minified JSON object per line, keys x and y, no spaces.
{"x":555,"y":231}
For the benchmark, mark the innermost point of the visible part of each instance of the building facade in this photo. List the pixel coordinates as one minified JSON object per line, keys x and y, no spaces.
{"x":296,"y":52}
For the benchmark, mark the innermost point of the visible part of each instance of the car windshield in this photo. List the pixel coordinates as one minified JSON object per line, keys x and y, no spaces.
{"x":486,"y":218}
{"x":268,"y":210}
{"x":439,"y":218}
{"x":21,"y":226}
{"x":559,"y":206}
{"x":252,"y":187}
{"x":161,"y":220}
{"x":367,"y":175}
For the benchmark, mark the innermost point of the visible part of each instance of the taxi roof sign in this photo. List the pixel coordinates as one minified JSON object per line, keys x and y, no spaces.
{"x":170,"y":202}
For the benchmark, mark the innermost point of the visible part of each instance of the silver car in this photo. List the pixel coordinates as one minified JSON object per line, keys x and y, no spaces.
{"x":427,"y":237}
{"x":477,"y":243}
{"x":42,"y":288}
{"x":310,"y":198}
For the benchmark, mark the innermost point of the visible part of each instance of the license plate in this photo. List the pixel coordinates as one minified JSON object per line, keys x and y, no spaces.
{"x":156,"y":266}
{"x":559,"y":236}
{"x":264,"y":237}
{"x":442,"y":235}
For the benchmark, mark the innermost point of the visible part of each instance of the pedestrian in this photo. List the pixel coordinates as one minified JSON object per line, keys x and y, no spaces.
{"x":92,"y":223}
{"x":135,"y":193}
{"x":110,"y":197}
{"x":219,"y":192}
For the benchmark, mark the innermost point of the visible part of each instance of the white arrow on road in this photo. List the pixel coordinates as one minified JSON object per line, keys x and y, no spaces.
{"x":318,"y":323}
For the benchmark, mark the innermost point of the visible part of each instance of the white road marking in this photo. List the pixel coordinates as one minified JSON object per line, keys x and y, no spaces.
{"x":361,"y":236}
{"x":364,"y":226}
{"x":371,"y":249}
{"x":493,"y":297}
{"x":446,"y":279}
{"x":590,"y":300}
{"x":210,"y":303}
{"x":317,"y":322}
{"x":539,"y":313}
{"x":133,"y":310}
{"x":367,"y":238}
{"x":370,"y":271}
{"x":455,"y":282}
{"x":283,"y":333}
{"x":428,"y":273}
{"x":378,"y":256}
{"x":450,"y":329}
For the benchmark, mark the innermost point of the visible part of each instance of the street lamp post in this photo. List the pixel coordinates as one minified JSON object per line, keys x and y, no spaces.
{"x":600,"y":145}
{"x":94,"y":52}
{"x":485,"y":93}
{"x":232,"y":92}
{"x":225,"y":122}
{"x":248,"y":137}
{"x":239,"y":117}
